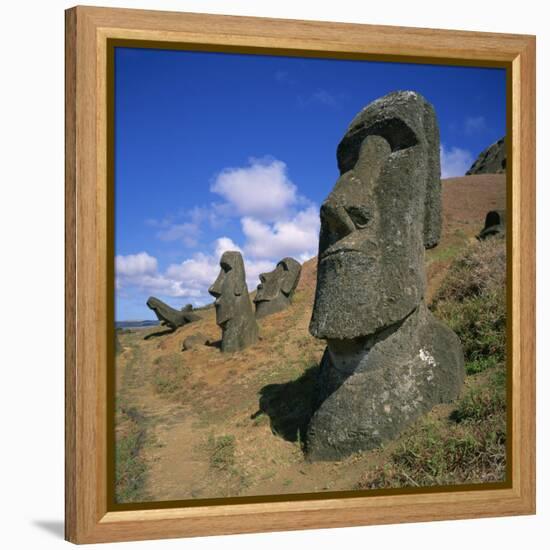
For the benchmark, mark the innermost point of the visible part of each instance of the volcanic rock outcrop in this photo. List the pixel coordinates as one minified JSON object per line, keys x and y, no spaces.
{"x":490,"y":161}
{"x":168,"y":316}
{"x":276,"y":288}
{"x":234,"y":312}
{"x":387,"y":360}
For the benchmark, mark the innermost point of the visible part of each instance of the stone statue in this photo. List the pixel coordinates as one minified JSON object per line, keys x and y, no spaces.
{"x":495,"y":224}
{"x":387,"y":360}
{"x":275,"y":291}
{"x":234,"y":312}
{"x":168,"y":316}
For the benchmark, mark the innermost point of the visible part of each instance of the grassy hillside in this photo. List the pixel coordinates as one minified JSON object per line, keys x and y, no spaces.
{"x":200,"y":424}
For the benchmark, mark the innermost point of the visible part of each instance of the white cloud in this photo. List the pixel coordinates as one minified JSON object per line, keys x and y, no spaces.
{"x":297,"y":237}
{"x":455,"y":161}
{"x":135,"y":264}
{"x":224,"y":244}
{"x":474,"y":124}
{"x":187,"y":232}
{"x":261,"y":190}
{"x":141,"y":271}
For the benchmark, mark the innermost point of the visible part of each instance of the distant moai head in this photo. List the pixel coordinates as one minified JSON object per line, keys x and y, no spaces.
{"x":495,"y":224}
{"x":277,"y":287}
{"x":230,"y":289}
{"x":383,"y":211}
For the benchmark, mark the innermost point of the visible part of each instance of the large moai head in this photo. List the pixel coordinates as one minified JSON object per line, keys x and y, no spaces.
{"x":383,"y":211}
{"x":233,"y":308}
{"x":274,"y":293}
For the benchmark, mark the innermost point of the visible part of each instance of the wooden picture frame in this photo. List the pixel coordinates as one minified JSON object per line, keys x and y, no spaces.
{"x":90,"y":33}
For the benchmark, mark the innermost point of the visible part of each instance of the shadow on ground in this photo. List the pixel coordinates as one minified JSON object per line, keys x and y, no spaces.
{"x":289,"y":405}
{"x":159,"y":333}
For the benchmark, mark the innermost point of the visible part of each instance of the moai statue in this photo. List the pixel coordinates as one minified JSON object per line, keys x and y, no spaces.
{"x":234,"y":312}
{"x":275,"y":291}
{"x":495,"y":224}
{"x":168,"y":316}
{"x":387,"y":360}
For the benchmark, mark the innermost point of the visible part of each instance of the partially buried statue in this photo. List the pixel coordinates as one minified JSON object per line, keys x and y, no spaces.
{"x":168,"y":316}
{"x":234,"y":312}
{"x":277,"y":287}
{"x":495,"y":225}
{"x":387,"y":360}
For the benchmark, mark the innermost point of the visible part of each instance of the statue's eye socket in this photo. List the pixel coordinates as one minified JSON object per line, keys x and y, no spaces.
{"x":360,"y":216}
{"x":226,"y":267}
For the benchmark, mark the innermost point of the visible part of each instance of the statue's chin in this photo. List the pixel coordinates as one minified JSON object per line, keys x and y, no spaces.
{"x":221,"y":316}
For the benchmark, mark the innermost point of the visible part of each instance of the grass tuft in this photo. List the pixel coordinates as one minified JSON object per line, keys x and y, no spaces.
{"x":222,"y":451}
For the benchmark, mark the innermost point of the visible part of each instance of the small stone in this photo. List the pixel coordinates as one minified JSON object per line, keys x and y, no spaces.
{"x":194,"y":341}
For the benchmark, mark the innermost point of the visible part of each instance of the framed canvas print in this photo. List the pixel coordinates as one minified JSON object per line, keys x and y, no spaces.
{"x":300,"y":263}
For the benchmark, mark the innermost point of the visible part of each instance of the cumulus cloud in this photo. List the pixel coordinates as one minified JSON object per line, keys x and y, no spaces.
{"x":455,"y":161}
{"x":135,"y":265}
{"x":296,"y":237}
{"x":261,"y":190}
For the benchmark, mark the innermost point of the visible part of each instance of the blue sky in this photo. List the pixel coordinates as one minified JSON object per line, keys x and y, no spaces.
{"x":223,"y":151}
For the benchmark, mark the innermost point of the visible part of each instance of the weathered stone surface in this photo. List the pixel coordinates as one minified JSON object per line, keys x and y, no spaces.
{"x":490,"y":161}
{"x":387,"y":359}
{"x":275,"y":291}
{"x":495,"y":224}
{"x":234,"y":312}
{"x":168,"y":316}
{"x":369,"y":395}
{"x":383,"y":211}
{"x":194,"y":341}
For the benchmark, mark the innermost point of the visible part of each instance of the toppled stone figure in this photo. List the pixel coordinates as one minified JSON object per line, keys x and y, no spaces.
{"x":234,"y":312}
{"x":495,"y":224}
{"x":168,"y":316}
{"x":275,"y":291}
{"x":387,"y":360}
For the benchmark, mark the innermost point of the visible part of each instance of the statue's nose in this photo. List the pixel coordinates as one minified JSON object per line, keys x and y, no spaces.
{"x":337,"y":219}
{"x":215,"y":290}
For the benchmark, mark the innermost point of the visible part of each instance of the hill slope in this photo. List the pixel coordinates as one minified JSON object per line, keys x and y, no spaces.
{"x":202,"y":424}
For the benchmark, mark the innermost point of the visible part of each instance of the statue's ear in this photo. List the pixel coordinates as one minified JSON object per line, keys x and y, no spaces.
{"x":432,"y":201}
